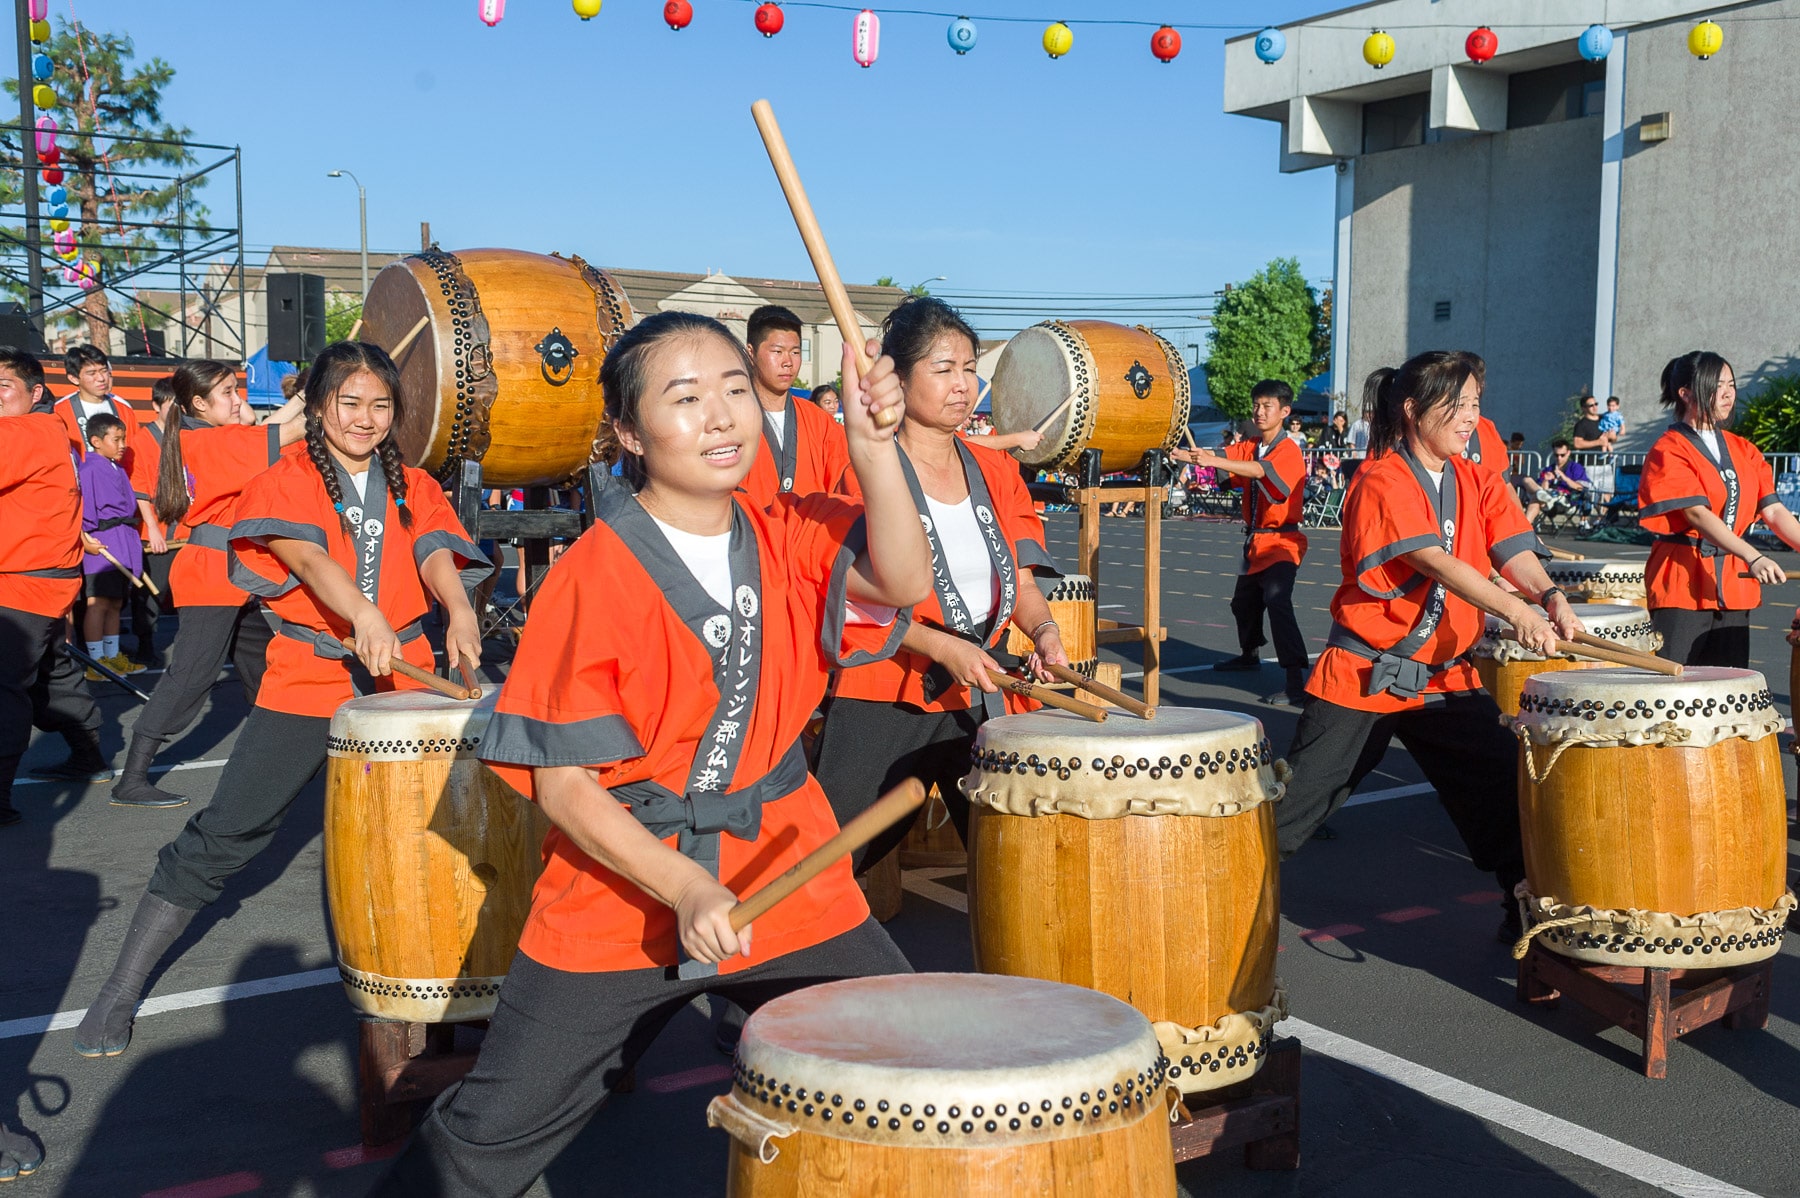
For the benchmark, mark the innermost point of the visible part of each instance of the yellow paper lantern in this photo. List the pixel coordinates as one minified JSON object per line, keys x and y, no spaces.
{"x":1705,"y":40}
{"x":69,"y":255}
{"x":43,"y":96}
{"x":1378,"y":49}
{"x":1059,"y":39}
{"x":40,"y":31}
{"x":587,"y":9}
{"x":59,"y":226}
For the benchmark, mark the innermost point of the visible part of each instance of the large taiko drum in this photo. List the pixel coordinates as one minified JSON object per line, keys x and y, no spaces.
{"x":507,"y":370}
{"x":1137,"y":858}
{"x":1652,"y":815}
{"x":1071,"y":600}
{"x":947,"y":1085}
{"x":1127,"y":392}
{"x":1505,"y":664}
{"x":1598,"y":580}
{"x":429,"y":858}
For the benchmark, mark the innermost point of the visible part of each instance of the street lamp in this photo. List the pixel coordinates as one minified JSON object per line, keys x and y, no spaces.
{"x":362,"y":215}
{"x":914,"y":289}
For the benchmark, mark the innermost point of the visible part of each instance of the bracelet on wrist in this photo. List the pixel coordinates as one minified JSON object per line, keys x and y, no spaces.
{"x":1759,"y":557}
{"x":1050,"y":623}
{"x":1544,"y":596}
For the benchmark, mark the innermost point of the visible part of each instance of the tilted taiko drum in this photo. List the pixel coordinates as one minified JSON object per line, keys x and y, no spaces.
{"x":948,"y":1086}
{"x":507,"y":370}
{"x":1140,"y":861}
{"x":1652,"y":814}
{"x":1127,"y":391}
{"x":429,"y":858}
{"x":1599,"y":581}
{"x":1071,"y":600}
{"x":1505,"y":664}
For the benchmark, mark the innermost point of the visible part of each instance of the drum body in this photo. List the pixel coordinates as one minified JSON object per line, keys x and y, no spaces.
{"x":1071,"y":600}
{"x":1127,"y":389}
{"x":507,"y":370}
{"x":1652,"y":815}
{"x":429,"y":858}
{"x":950,"y":1086}
{"x":1504,"y":665}
{"x":1139,"y":861}
{"x":1600,"y":581}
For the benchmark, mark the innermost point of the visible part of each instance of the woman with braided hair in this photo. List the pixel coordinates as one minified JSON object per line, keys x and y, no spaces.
{"x":206,"y":459}
{"x":341,"y":541}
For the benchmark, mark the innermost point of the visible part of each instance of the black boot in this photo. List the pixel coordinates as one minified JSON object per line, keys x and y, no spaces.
{"x":1295,"y":694}
{"x":106,"y":1028}
{"x":133,"y":788}
{"x":20,"y":1155}
{"x":84,"y":763}
{"x":1242,"y":663}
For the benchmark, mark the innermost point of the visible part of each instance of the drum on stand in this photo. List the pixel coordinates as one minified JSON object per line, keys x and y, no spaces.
{"x":429,"y":858}
{"x":507,"y":370}
{"x":1071,"y":882}
{"x":1596,"y":580}
{"x":947,"y":1085}
{"x":1126,"y":389}
{"x":1071,"y":600}
{"x":1505,"y":664}
{"x":1653,"y":818}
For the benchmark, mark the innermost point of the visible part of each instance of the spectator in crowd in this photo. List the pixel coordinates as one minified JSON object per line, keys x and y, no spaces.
{"x":1563,"y":483}
{"x":1337,"y":433}
{"x":108,"y":524}
{"x":1587,"y":433}
{"x":1359,"y":432}
{"x":829,"y":401}
{"x":1296,"y":433}
{"x":1613,"y":419}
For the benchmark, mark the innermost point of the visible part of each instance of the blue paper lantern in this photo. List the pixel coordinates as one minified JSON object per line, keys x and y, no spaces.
{"x":42,"y":67}
{"x":56,"y":197}
{"x":1271,"y":44}
{"x":961,"y":35}
{"x":1595,"y":43}
{"x":59,"y":211}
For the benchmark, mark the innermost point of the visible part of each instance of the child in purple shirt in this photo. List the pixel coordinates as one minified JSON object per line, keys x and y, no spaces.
{"x":108,"y":519}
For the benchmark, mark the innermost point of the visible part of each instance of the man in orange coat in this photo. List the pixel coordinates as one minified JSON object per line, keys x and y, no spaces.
{"x":804,"y":450}
{"x":91,"y":372}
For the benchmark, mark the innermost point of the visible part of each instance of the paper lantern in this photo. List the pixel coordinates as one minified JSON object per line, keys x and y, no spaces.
{"x":68,"y":253}
{"x":769,"y":19}
{"x":37,"y":10}
{"x":69,"y":276}
{"x":53,"y":175}
{"x":1271,"y":44}
{"x":678,"y":13}
{"x":44,"y":96}
{"x":1059,"y":39}
{"x":42,"y":67}
{"x":86,"y":277}
{"x":40,"y":31}
{"x":1705,"y":40}
{"x":1595,"y":43}
{"x":63,"y":241}
{"x":52,"y":156}
{"x":57,"y":197}
{"x":46,"y":133}
{"x":59,"y":212}
{"x":490,"y":11}
{"x":1482,"y":45}
{"x":58,"y":224}
{"x":587,"y":10}
{"x":1378,"y":49}
{"x":961,"y":35}
{"x":1165,"y":43}
{"x":865,"y":38}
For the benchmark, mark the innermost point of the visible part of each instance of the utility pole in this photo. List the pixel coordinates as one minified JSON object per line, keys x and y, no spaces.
{"x":34,"y":244}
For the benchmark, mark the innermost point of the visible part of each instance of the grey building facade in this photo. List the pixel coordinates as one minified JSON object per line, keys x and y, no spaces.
{"x":1575,"y":223}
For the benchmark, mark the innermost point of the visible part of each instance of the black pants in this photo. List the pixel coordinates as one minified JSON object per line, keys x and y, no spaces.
{"x":868,"y":748}
{"x":41,"y":687}
{"x":203,"y":638}
{"x":277,"y":754}
{"x":1461,"y":748}
{"x":1703,"y":638}
{"x":1270,"y":590}
{"x":559,"y":1043}
{"x":147,"y":609}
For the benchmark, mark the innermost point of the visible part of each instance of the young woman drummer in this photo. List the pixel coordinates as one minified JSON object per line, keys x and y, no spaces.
{"x":206,"y":460}
{"x":916,"y":715}
{"x":665,"y":748}
{"x":343,"y":540}
{"x":1423,"y":526}
{"x":1701,"y":489}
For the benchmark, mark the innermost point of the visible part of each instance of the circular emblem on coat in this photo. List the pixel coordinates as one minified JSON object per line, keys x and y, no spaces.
{"x":718,"y":631}
{"x":1731,"y":474}
{"x":926,"y":521}
{"x":354,"y":515}
{"x":983,"y":515}
{"x":372,"y":528}
{"x":1449,"y":529}
{"x":746,"y":602}
{"x":787,"y":484}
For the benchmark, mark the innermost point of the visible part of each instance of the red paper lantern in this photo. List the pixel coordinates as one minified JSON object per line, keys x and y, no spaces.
{"x":1165,"y":43}
{"x":1482,"y":45}
{"x":51,"y":156}
{"x":53,"y":176}
{"x":678,"y":13}
{"x":769,"y":19}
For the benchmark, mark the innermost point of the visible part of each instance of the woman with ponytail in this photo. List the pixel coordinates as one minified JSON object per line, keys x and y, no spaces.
{"x":207,"y":458}
{"x":342,"y":541}
{"x":1701,"y":490}
{"x":1423,"y":528}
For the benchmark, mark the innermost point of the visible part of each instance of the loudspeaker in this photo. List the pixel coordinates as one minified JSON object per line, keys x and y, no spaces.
{"x":296,"y":317}
{"x":136,"y":346}
{"x":17,"y":330}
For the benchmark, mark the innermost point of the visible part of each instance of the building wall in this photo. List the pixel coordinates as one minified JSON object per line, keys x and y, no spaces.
{"x":1709,"y":251}
{"x":1503,"y":227}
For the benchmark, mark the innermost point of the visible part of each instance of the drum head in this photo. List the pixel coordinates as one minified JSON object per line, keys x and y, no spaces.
{"x":1623,"y":624}
{"x":1039,"y":368}
{"x":395,"y":304}
{"x":1706,"y":705}
{"x":407,"y":724}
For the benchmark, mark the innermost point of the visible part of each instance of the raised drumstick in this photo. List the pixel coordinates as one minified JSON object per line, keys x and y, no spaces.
{"x":889,"y":809}
{"x":1587,"y":645}
{"x":1563,"y":555}
{"x":1101,"y":690}
{"x":407,"y":669}
{"x":1026,"y":689}
{"x":810,"y":233}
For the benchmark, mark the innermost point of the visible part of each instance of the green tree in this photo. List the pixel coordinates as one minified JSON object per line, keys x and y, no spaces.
{"x":114,"y":140}
{"x":1771,"y":421}
{"x":342,"y":313}
{"x":1265,"y":328}
{"x":915,"y":289}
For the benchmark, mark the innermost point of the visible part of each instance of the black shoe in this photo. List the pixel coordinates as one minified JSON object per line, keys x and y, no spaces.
{"x":1243,"y":663}
{"x":1324,"y":832}
{"x":1294,"y":695}
{"x":133,"y":788}
{"x":75,"y":770}
{"x":19,"y":1156}
{"x":9,"y":815}
{"x":105,"y":1029}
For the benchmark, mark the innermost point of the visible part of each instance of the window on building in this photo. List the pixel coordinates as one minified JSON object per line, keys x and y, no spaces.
{"x":806,"y":349}
{"x":1440,"y":311}
{"x":1565,"y":92}
{"x":1396,"y":123}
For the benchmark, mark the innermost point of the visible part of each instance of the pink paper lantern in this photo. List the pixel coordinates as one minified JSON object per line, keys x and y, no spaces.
{"x":491,"y":11}
{"x":46,"y":133}
{"x":69,"y":276}
{"x":865,"y":39}
{"x":64,"y":241}
{"x":86,"y":277}
{"x":39,"y":9}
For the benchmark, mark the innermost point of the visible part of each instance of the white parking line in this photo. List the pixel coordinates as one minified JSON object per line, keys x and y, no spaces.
{"x":37,"y":1025}
{"x":207,"y":764}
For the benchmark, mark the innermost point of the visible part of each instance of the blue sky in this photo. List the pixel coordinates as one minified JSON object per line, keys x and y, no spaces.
{"x":632,"y":145}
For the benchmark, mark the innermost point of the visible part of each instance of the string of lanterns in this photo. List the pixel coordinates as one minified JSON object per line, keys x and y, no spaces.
{"x":1595,"y":43}
{"x":77,"y":270}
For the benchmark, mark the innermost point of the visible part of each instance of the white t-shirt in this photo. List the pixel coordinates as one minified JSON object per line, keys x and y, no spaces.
{"x":86,"y":410}
{"x":965,"y":552}
{"x":1437,"y":481}
{"x":361,"y":483}
{"x":708,"y":559}
{"x":777,"y":424}
{"x":1711,"y":437}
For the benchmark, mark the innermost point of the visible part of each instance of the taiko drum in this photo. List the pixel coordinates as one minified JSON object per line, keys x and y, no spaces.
{"x":1504,"y":664}
{"x":429,"y":858}
{"x":1137,"y":858}
{"x":1071,"y":600}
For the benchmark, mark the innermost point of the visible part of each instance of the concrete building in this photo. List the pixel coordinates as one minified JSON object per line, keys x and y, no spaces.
{"x":1577,"y":224}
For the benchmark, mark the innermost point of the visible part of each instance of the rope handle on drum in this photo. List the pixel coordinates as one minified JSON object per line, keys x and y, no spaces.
{"x":1671,"y":734}
{"x":1628,"y":920}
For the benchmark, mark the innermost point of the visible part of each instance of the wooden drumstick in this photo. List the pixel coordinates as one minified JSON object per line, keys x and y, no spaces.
{"x":810,"y":233}
{"x":1027,"y":689}
{"x":407,"y":669}
{"x":1586,"y":645}
{"x":408,"y":339}
{"x":1100,"y":689}
{"x":892,"y":807}
{"x":1563,"y":555}
{"x":120,"y":567}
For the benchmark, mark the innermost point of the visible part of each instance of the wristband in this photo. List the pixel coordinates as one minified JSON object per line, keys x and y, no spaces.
{"x":1759,"y":557}
{"x":1050,"y":623}
{"x":1544,"y":597}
